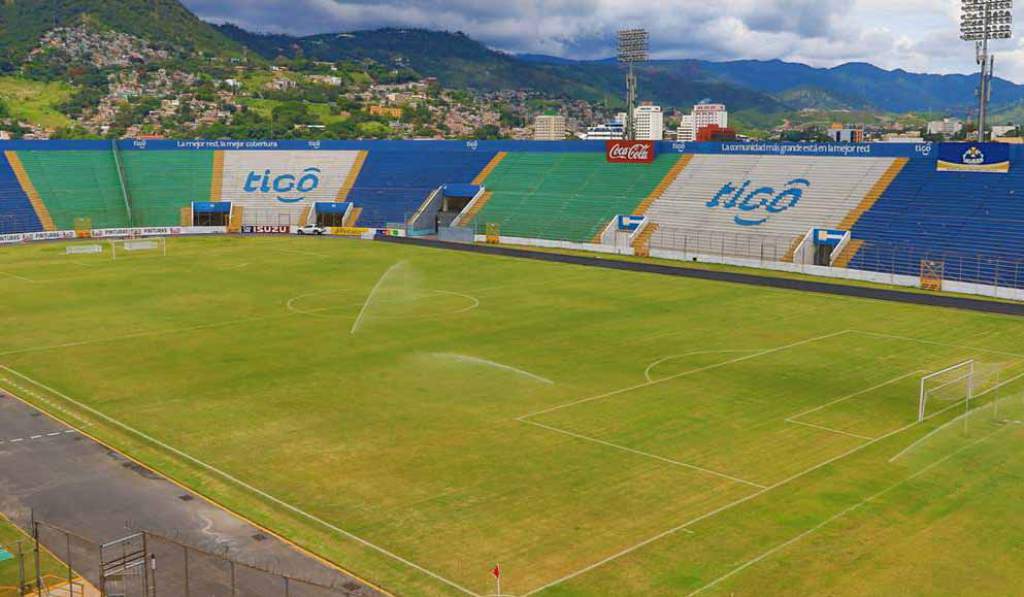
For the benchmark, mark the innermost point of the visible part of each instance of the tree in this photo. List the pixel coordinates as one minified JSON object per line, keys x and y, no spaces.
{"x":4,"y":110}
{"x":487,"y":132}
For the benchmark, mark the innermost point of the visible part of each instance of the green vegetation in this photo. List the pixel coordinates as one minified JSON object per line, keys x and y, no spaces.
{"x":53,"y":571}
{"x":165,"y":23}
{"x":33,"y":101}
{"x":421,"y":419}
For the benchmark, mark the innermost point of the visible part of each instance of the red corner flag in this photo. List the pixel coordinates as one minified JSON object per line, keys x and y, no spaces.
{"x":497,"y":571}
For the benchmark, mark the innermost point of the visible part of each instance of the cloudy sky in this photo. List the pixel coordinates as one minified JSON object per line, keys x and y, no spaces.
{"x":916,"y":35}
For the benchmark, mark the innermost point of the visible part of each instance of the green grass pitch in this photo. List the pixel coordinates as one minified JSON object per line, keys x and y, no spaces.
{"x":418,"y":416}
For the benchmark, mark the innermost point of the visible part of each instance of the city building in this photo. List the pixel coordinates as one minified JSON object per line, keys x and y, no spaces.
{"x":846,"y":134}
{"x":549,"y":127}
{"x":947,"y":127}
{"x":1001,"y":130}
{"x":612,"y":131}
{"x":650,"y":122}
{"x":713,"y":133}
{"x":703,"y":115}
{"x":905,"y":137}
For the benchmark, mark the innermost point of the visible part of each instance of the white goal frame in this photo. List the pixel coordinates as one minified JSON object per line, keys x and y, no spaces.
{"x":967,"y":366}
{"x":153,"y":243}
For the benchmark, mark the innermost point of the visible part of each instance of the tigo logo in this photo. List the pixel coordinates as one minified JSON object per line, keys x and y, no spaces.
{"x":758,"y":205}
{"x":284,"y":185}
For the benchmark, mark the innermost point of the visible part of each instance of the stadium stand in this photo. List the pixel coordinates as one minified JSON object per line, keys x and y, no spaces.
{"x":279,"y":187}
{"x":77,"y":184}
{"x":711,"y":199}
{"x":17,"y":213}
{"x":969,"y":221}
{"x":393,"y":184}
{"x":566,"y":196}
{"x":725,"y":201}
{"x":160,"y":183}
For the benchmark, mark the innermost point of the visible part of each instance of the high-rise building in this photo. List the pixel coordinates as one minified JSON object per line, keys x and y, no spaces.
{"x":702,"y":116}
{"x":549,"y":127}
{"x":947,"y":127}
{"x":650,"y":122}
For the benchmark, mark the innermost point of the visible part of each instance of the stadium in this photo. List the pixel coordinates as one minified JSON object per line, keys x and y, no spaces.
{"x":543,"y":368}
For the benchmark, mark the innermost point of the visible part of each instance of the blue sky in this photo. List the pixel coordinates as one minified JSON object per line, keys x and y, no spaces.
{"x":916,"y":35}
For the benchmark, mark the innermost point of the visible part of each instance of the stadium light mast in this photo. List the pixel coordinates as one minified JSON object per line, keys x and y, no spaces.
{"x":980,"y":22}
{"x":634,"y":48}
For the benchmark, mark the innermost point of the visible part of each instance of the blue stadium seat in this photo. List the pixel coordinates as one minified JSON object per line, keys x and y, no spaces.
{"x":971,"y":221}
{"x":393,"y":184}
{"x":16,"y":211}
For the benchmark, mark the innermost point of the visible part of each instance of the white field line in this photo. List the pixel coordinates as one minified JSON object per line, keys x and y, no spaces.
{"x":478,"y":361}
{"x":369,"y":297}
{"x":693,"y":467}
{"x":655,"y":364}
{"x":829,"y":429}
{"x":933,"y":343}
{"x":731,"y":505}
{"x":854,"y":395}
{"x":841,"y":514}
{"x":298,"y":252}
{"x":683,"y":374}
{"x":960,"y":418}
{"x":17,"y":277}
{"x":29,"y":392}
{"x":243,"y":484}
{"x":205,"y":326}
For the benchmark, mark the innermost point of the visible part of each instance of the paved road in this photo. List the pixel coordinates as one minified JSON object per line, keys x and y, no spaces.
{"x":79,"y":485}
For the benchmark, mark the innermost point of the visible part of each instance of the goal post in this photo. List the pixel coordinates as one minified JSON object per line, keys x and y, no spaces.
{"x":122,"y":248}
{"x":950,"y":386}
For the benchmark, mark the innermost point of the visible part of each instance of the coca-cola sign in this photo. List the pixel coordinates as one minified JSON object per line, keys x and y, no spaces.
{"x":630,"y":152}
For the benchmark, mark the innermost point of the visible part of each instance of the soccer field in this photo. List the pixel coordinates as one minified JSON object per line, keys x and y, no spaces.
{"x":418,"y":416}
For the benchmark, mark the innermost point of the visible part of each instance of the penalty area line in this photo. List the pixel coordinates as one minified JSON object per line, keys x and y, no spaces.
{"x":830,"y":430}
{"x":655,"y":364}
{"x":854,"y":395}
{"x":934,"y":343}
{"x":683,"y":374}
{"x":294,"y":509}
{"x":837,"y":516}
{"x":687,"y":465}
{"x":727,"y":507}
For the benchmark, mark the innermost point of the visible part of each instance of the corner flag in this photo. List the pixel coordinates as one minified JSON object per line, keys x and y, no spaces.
{"x":497,"y":576}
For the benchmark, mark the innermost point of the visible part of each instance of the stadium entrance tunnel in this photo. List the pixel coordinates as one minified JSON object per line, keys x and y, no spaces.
{"x":332,"y":215}
{"x":457,"y":197}
{"x":211,"y":214}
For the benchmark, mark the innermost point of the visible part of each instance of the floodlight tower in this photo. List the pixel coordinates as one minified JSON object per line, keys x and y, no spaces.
{"x":981,"y":21}
{"x":634,"y":48}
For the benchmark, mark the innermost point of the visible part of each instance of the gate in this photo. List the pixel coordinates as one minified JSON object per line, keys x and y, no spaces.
{"x":123,"y":569}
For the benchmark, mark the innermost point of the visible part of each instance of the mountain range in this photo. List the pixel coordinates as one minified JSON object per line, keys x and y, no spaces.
{"x":765,"y":88}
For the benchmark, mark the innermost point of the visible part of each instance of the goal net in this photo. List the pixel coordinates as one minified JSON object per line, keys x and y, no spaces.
{"x":155,"y":246}
{"x":943,"y":389}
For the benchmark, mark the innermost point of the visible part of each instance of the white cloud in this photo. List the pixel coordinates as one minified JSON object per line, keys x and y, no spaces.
{"x":916,"y":35}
